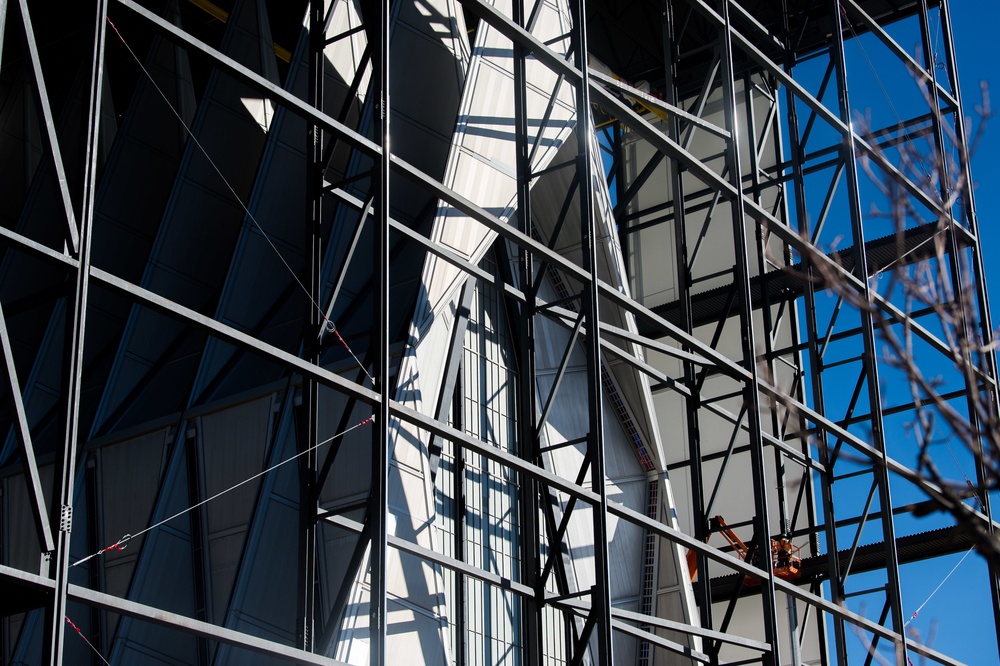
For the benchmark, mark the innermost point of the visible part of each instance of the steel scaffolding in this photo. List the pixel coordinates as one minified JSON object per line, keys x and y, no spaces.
{"x":619,"y":272}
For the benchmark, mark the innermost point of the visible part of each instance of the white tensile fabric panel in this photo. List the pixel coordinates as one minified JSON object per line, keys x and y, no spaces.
{"x":416,"y":617}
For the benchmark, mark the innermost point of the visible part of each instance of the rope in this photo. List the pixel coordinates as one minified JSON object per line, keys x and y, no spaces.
{"x":332,"y":328}
{"x":80,"y":634}
{"x":122,"y":542}
{"x":926,"y":601}
{"x":326,"y":321}
{"x":871,"y":66}
{"x":878,"y":79}
{"x":968,"y":481}
{"x":909,"y":252}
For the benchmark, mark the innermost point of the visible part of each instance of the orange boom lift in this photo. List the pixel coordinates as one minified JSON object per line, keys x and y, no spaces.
{"x":786,"y":562}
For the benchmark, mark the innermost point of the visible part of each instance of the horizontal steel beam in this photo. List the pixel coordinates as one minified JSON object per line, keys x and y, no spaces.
{"x":695,"y":166}
{"x":168,"y":619}
{"x":243,"y":74}
{"x":466,"y":206}
{"x":429,"y":555}
{"x":370,"y":397}
{"x":816,"y":601}
{"x":234,"y":336}
{"x":550,"y":479}
{"x":198,"y":628}
{"x":574,"y":604}
{"x":659,"y":104}
{"x":911,"y":64}
{"x":410,"y":415}
{"x":439,"y":250}
{"x":710,"y":634}
{"x":829,"y":116}
{"x":638,"y":124}
{"x":42,"y":251}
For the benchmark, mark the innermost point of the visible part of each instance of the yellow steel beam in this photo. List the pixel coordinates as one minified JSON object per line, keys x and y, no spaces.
{"x":221,"y":14}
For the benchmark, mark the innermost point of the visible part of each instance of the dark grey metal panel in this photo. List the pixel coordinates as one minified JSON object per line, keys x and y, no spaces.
{"x":199,"y":226}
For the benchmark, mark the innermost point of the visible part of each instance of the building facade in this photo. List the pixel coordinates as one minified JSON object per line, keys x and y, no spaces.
{"x":457,"y":332}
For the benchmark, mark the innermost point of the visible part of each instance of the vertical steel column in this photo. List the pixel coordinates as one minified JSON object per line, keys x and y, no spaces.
{"x":620,"y":207}
{"x":600,"y":611}
{"x":305,"y":623}
{"x":809,"y":479}
{"x":703,"y":592}
{"x":93,"y":496}
{"x":761,"y":242}
{"x":530,"y":547}
{"x":461,"y":511}
{"x":784,"y":519}
{"x":65,"y":476}
{"x":452,"y":397}
{"x":985,"y":331}
{"x":379,"y":499}
{"x":881,"y":474}
{"x":751,"y":396}
{"x":958,"y":277}
{"x":815,"y":363}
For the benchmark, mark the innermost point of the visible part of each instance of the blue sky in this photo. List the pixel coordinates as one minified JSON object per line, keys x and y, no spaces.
{"x":962,"y":602}
{"x":976,"y":39}
{"x":958,"y":619}
{"x":976,"y":23}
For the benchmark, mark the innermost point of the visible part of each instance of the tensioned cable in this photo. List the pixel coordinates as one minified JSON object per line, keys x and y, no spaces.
{"x":909,"y":252}
{"x":976,"y":494}
{"x":327,"y":322}
{"x":92,"y":647}
{"x":926,"y":601}
{"x":888,"y":99}
{"x":878,"y":79}
{"x":968,"y":481}
{"x":120,"y":544}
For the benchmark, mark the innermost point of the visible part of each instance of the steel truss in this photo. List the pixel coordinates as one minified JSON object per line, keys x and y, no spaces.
{"x":788,"y":173}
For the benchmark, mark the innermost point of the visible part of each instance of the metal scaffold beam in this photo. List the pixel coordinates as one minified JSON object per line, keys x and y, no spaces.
{"x":473,"y":332}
